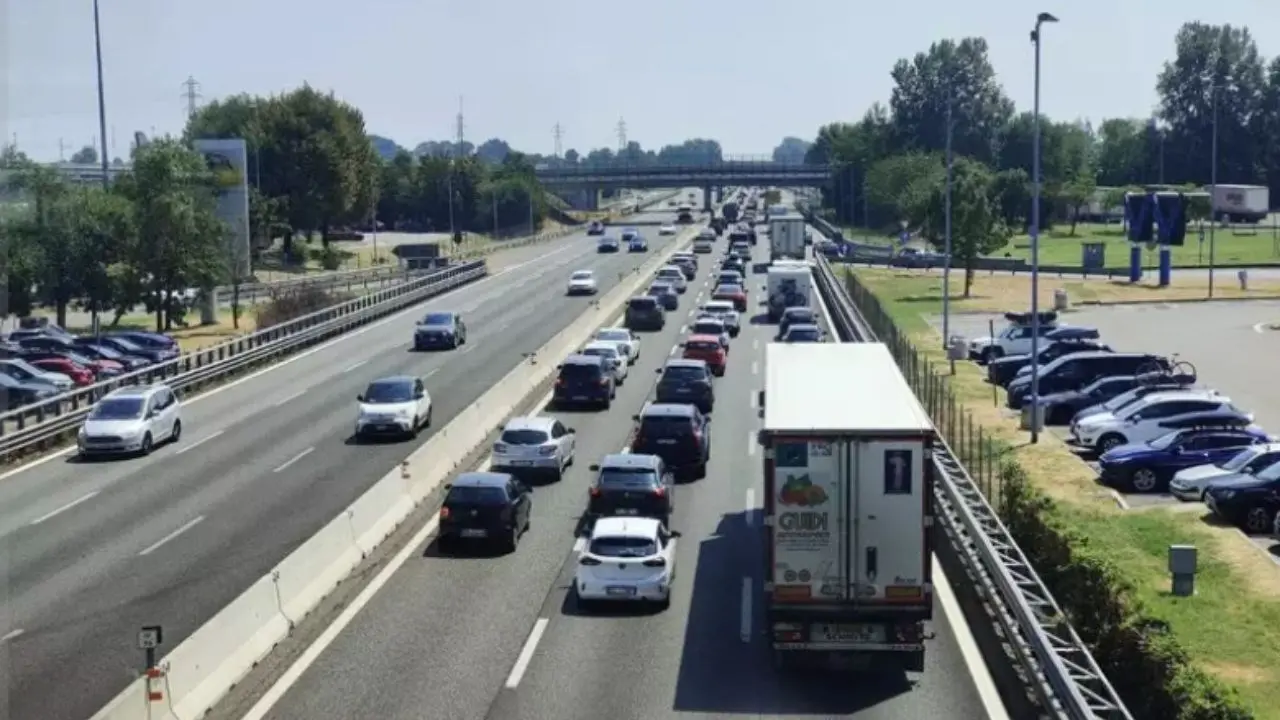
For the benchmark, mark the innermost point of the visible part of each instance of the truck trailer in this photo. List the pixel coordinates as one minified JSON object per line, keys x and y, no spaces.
{"x":786,"y":237}
{"x":848,"y":507}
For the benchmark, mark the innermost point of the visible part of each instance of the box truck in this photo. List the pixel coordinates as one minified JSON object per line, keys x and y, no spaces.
{"x":788,"y":284}
{"x":1240,"y":203}
{"x":848,"y":507}
{"x":786,"y":237}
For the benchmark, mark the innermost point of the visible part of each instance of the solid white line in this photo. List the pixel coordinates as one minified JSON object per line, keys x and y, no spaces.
{"x":199,"y":442}
{"x":156,"y":546}
{"x":526,"y":653}
{"x":969,"y":652}
{"x":64,"y":508}
{"x":288,"y":398}
{"x":11,"y":635}
{"x":745,"y":628}
{"x":349,"y":368}
{"x":294,"y":459}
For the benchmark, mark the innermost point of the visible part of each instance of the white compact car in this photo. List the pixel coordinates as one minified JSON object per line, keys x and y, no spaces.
{"x":667,"y":230}
{"x":673,"y":276}
{"x":704,"y":245}
{"x":395,"y":406}
{"x":582,"y":282}
{"x":723,"y":309}
{"x":1142,"y":421}
{"x":1190,"y":484}
{"x":612,"y":353}
{"x":627,"y":340}
{"x":534,"y":444}
{"x":711,"y":325}
{"x":131,"y":420}
{"x":626,"y":559}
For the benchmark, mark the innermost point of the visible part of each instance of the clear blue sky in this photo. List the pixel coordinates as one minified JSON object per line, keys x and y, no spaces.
{"x":523,"y":66}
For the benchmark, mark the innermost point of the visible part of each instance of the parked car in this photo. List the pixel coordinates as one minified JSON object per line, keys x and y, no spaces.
{"x":1149,"y":467}
{"x":15,"y":393}
{"x":1150,"y":418}
{"x":23,"y":371}
{"x":1191,"y":483}
{"x":1060,"y":408}
{"x":1248,"y":501}
{"x":79,"y":374}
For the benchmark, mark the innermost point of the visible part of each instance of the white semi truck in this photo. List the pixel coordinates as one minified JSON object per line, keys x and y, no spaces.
{"x":848,"y":506}
{"x":786,"y":237}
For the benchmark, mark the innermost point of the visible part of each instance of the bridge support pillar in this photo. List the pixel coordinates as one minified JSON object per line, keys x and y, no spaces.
{"x":584,"y":200}
{"x":706,"y":198}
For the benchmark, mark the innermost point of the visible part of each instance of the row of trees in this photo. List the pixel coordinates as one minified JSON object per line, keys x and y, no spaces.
{"x":891,"y":166}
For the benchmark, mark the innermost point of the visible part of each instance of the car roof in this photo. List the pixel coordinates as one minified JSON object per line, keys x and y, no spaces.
{"x":667,"y":410}
{"x":630,"y":460}
{"x":577,"y":359}
{"x":702,"y":337}
{"x":688,"y":362}
{"x":584,"y":272}
{"x":671,"y":268}
{"x":708,"y":319}
{"x":803,"y":326}
{"x":719,"y":305}
{"x":482,"y":479}
{"x":1173,"y":395}
{"x":530,"y":422}
{"x":798,"y":311}
{"x":613,"y":329}
{"x":134,"y":391}
{"x":625,"y":527}
{"x":601,"y":345}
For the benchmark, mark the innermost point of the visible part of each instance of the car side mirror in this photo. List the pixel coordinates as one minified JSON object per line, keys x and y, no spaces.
{"x":570,"y":431}
{"x":359,"y":398}
{"x":419,"y":395}
{"x":594,"y":468}
{"x":658,"y":371}
{"x":635,"y":418}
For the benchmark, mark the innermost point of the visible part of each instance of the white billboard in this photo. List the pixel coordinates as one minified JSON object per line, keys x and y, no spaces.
{"x":228,"y":161}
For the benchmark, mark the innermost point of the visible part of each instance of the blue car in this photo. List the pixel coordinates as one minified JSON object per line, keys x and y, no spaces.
{"x":1248,"y":501}
{"x":1148,"y":467}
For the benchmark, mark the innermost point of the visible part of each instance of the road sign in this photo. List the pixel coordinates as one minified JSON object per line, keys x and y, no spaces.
{"x":150,"y":637}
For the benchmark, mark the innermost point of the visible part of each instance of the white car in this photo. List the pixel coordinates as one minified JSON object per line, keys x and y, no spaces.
{"x":673,"y":276}
{"x":534,"y":444}
{"x":131,"y":420}
{"x":667,"y":230}
{"x":613,"y":354}
{"x":713,"y":326}
{"x":626,"y":559}
{"x":627,"y":340}
{"x":1190,"y":483}
{"x":582,"y":282}
{"x":395,"y":406}
{"x":723,"y":309}
{"x":1142,"y":421}
{"x":703,"y":245}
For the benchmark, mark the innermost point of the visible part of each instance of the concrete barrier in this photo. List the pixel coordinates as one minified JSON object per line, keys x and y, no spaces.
{"x":133,"y":704}
{"x":376,"y":513}
{"x":316,"y":567}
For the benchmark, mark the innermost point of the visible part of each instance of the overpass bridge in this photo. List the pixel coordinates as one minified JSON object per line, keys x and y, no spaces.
{"x":708,"y":176}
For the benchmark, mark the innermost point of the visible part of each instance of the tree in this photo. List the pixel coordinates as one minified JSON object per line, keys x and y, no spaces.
{"x":87,"y":155}
{"x":976,"y":228}
{"x":791,"y":151}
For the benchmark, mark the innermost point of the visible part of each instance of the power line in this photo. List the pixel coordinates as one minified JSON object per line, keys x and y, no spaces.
{"x":192,"y":94}
{"x":558,"y":133}
{"x":622,"y":135}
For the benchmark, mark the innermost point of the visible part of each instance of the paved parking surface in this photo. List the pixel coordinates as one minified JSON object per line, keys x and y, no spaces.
{"x":1229,"y":343}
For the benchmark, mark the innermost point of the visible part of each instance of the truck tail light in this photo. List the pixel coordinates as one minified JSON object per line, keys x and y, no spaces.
{"x":788,"y":632}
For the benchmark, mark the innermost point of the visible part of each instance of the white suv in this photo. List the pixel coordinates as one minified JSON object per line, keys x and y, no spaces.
{"x":674,"y":276}
{"x":534,"y":444}
{"x":131,"y":420}
{"x":1143,"y":420}
{"x":396,"y":406}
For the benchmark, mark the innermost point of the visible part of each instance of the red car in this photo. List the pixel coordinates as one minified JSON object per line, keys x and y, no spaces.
{"x":732,"y":293}
{"x":79,"y":374}
{"x":708,"y":349}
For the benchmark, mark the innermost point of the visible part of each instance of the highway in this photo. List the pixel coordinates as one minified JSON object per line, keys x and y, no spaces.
{"x":96,"y":550}
{"x":501,"y":637}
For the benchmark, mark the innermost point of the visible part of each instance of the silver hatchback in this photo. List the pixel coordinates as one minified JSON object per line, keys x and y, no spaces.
{"x":534,"y":445}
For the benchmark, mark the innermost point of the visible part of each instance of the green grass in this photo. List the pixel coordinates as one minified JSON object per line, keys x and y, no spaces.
{"x":1230,"y":628}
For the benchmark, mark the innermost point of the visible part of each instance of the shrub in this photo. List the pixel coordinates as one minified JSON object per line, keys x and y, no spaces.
{"x":293,"y":304}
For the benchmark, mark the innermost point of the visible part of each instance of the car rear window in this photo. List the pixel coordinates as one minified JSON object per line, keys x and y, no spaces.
{"x":471,"y":495}
{"x":622,"y":547}
{"x":683,"y":372}
{"x":665,"y":426}
{"x":628,"y":477}
{"x":700,"y":345}
{"x":669,"y":272}
{"x":524,"y":437}
{"x":437,"y":319}
{"x":643,"y":303}
{"x":726,"y":289}
{"x":708,"y":328}
{"x":580,"y":371}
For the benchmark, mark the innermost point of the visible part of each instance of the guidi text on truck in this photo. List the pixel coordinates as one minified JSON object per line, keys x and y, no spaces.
{"x":848,"y":508}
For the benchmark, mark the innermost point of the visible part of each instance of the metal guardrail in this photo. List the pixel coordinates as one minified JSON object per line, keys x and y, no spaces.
{"x":53,"y":418}
{"x":1065,"y":677}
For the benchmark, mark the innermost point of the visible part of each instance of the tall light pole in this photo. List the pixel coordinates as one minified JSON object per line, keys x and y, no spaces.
{"x":102,"y":100}
{"x":1213,"y":183}
{"x":1041,"y":19}
{"x":946,"y":267}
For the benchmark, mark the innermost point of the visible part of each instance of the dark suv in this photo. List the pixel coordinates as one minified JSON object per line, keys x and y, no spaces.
{"x":485,"y":507}
{"x":584,"y":379}
{"x":679,"y":434}
{"x":644,"y":313}
{"x":686,"y":381}
{"x":632,"y":484}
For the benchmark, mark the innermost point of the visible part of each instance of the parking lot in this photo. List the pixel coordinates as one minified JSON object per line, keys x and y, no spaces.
{"x":1231,"y":345}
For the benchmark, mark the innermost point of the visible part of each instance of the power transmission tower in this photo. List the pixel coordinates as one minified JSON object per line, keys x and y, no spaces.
{"x":622,"y":135}
{"x":192,"y":95}
{"x":558,"y":133}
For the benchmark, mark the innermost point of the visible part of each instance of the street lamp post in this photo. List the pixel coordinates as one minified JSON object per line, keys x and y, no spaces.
{"x":1041,"y":19}
{"x":946,"y":268}
{"x":102,"y":101}
{"x":1213,"y":186}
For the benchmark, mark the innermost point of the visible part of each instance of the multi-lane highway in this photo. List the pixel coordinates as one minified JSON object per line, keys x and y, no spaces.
{"x":502,"y":638}
{"x":94,"y":551}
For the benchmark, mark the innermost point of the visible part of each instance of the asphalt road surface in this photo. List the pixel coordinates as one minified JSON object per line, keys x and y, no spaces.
{"x":500,"y":637}
{"x":96,"y":550}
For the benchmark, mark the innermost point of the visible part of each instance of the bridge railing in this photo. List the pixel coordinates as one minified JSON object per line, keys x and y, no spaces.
{"x":727,"y":169}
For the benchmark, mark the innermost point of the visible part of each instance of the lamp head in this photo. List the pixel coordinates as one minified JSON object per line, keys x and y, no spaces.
{"x":1045,"y":17}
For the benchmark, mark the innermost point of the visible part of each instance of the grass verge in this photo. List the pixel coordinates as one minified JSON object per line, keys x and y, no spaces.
{"x":1208,"y":657}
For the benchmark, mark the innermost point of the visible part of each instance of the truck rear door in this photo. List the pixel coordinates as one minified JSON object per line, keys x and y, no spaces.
{"x":889,"y":561}
{"x":807,"y":535}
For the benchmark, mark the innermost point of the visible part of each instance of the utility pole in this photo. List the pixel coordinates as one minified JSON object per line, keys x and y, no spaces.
{"x":458,"y":140}
{"x":192,"y":94}
{"x":621,"y":130}
{"x":558,"y":133}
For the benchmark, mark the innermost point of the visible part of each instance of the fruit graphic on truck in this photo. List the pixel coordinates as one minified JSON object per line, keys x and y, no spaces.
{"x":800,"y":490}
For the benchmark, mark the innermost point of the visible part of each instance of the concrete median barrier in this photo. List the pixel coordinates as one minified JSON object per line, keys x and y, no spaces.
{"x":376,"y":513}
{"x":316,"y":567}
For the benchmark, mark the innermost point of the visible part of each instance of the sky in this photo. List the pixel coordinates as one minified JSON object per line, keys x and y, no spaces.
{"x":746,"y":74}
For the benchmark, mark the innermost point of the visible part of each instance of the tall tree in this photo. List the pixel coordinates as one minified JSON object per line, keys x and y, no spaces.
{"x":87,"y":155}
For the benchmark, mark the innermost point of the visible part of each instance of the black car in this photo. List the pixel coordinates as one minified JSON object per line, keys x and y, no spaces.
{"x":632,"y":484}
{"x":102,"y":352}
{"x":1248,"y":501}
{"x":1077,"y":370}
{"x":686,"y":381}
{"x":440,"y":330}
{"x":584,"y":380}
{"x":666,"y":295}
{"x":1059,"y":408}
{"x":644,"y":313}
{"x":688,"y":266}
{"x":796,"y":316}
{"x":1003,"y":370}
{"x":125,"y":347}
{"x":678,"y":433}
{"x":485,"y":507}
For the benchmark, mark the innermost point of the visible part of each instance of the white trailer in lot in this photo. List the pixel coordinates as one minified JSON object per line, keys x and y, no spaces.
{"x":1240,"y":203}
{"x":848,"y":505}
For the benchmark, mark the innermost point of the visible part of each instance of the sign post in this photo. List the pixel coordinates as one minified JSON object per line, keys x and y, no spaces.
{"x":149,"y":639}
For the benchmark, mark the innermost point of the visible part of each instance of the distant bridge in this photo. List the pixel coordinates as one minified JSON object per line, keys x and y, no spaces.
{"x":678,"y":176}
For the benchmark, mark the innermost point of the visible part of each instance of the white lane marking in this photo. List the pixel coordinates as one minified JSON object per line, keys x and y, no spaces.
{"x":745,"y":628}
{"x":751,"y":443}
{"x":294,"y":459}
{"x":526,"y":653}
{"x":160,"y":543}
{"x":750,"y":506}
{"x":1260,"y":327}
{"x":83,"y":498}
{"x":969,"y":652}
{"x":288,"y":398}
{"x":755,"y":344}
{"x":198,"y":443}
{"x":752,"y":395}
{"x":353,"y":366}
{"x":11,"y":635}
{"x":755,"y":368}
{"x":319,"y":348}
{"x":431,"y":372}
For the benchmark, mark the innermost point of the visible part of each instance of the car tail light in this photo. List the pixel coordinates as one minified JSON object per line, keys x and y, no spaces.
{"x":655,"y":562}
{"x":560,"y":382}
{"x":660,"y":492}
{"x":588,"y":560}
{"x":604,"y":381}
{"x":594,"y":492}
{"x":549,"y":450}
{"x":444,"y":512}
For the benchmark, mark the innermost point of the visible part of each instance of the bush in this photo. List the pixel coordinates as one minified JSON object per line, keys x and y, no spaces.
{"x":1137,"y":652}
{"x":330,"y":258}
{"x":293,"y":304}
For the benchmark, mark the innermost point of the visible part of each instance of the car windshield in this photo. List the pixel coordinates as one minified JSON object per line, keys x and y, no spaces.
{"x":683,"y":372}
{"x":581,"y":275}
{"x":670,"y":272}
{"x":389,"y":391}
{"x":1242,"y":458}
{"x":474,"y":495}
{"x":659,"y":289}
{"x":126,"y":344}
{"x":77,"y":358}
{"x":1165,"y":441}
{"x":524,"y":437}
{"x":1120,"y":402}
{"x":614,"y":335}
{"x":437,"y":319}
{"x":628,"y":477}
{"x":600,"y":351}
{"x":708,"y":328}
{"x":118,"y":409}
{"x":623,"y":547}
{"x":106,"y":352}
